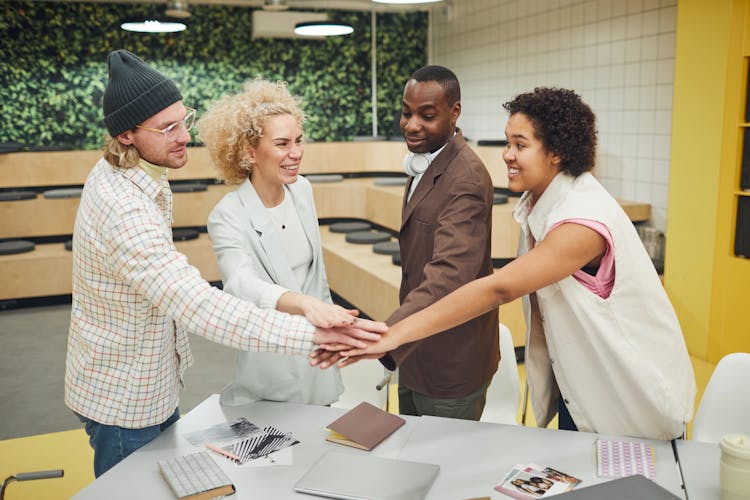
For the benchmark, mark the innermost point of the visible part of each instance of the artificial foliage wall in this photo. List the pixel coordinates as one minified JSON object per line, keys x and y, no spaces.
{"x":53,"y":67}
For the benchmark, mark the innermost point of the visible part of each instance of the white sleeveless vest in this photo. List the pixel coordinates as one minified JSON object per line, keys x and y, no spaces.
{"x":621,"y":363}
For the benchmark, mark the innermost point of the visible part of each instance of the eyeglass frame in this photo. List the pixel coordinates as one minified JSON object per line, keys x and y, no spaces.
{"x":191,"y":112}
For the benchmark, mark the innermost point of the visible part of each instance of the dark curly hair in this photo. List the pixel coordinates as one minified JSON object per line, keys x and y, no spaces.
{"x":563,"y":122}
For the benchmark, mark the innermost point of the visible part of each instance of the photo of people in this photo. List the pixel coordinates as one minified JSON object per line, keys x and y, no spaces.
{"x":534,"y":481}
{"x":561,"y":476}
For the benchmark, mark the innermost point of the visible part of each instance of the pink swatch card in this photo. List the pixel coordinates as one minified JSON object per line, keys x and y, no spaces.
{"x":624,"y":458}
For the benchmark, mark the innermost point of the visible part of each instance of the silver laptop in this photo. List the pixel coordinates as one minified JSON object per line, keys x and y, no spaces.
{"x":351,"y":476}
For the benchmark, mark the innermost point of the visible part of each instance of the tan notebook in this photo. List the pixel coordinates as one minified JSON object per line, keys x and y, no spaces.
{"x":365,"y":426}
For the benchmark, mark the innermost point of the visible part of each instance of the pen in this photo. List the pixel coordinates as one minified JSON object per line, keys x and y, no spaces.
{"x":218,"y":450}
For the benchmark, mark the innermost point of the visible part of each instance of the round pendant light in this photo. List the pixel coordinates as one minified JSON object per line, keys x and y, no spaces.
{"x":322,"y":28}
{"x":154,"y":25}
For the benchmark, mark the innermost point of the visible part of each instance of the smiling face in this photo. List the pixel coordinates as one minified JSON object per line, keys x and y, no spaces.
{"x":154,"y":147}
{"x":277,"y":156}
{"x":530,"y":166}
{"x":428,"y":119}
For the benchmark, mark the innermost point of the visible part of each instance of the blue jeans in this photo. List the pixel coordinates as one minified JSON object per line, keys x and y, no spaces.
{"x":112,"y":444}
{"x":564,"y":420}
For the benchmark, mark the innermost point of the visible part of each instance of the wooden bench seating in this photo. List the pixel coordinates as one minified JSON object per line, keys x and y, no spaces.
{"x":371,"y":284}
{"x":42,"y":217}
{"x":47,"y":270}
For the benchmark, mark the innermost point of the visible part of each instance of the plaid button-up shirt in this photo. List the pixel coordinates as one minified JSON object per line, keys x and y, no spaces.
{"x":135,"y":298}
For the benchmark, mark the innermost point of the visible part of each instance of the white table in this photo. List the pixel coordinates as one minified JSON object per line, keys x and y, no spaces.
{"x":473,"y":456}
{"x":700,"y":469}
{"x":138,"y":477}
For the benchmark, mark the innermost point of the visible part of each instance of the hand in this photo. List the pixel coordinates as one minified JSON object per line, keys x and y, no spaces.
{"x":353,"y":336}
{"x":326,"y":315}
{"x":344,"y":355}
{"x":325,"y":359}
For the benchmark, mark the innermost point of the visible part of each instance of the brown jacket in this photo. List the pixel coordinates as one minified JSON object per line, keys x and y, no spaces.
{"x":445,"y":242}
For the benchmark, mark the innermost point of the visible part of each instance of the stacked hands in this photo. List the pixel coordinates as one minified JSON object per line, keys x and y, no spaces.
{"x":343,"y":338}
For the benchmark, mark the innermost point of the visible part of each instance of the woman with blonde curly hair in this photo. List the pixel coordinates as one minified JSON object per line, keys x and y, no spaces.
{"x":266,"y":235}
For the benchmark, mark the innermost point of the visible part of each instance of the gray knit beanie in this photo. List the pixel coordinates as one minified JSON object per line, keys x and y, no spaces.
{"x":134,"y":93}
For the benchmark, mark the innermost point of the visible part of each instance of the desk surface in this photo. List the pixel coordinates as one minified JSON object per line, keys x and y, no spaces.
{"x":473,"y":456}
{"x":700,"y":468}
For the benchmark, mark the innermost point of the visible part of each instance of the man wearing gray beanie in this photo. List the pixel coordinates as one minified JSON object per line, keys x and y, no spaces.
{"x":135,"y":297}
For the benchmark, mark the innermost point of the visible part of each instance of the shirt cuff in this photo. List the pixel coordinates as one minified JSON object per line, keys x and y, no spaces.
{"x":271,"y":296}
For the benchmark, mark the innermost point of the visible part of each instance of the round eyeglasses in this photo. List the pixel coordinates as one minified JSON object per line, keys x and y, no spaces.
{"x":172,"y":131}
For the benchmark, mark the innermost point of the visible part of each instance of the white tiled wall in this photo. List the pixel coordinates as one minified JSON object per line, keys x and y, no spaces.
{"x":617,"y":54}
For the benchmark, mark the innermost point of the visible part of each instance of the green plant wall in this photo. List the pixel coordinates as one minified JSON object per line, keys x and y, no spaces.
{"x":53,"y":67}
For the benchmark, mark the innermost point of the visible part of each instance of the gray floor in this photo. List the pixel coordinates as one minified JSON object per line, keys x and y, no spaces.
{"x":32,"y":366}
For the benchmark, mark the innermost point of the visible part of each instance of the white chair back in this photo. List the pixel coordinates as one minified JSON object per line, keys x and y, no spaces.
{"x":504,"y":393}
{"x":361,"y":382}
{"x":725,"y":405}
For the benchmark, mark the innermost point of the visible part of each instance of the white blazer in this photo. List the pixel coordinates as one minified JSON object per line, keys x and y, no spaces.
{"x":253,"y":266}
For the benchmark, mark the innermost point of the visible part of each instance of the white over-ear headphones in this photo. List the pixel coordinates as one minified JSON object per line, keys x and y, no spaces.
{"x":416,"y":163}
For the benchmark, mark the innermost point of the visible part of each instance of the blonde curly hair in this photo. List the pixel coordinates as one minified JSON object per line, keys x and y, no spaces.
{"x":235,"y":123}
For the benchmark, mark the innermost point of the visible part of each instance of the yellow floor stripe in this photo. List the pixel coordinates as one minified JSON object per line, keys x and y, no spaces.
{"x":67,"y":450}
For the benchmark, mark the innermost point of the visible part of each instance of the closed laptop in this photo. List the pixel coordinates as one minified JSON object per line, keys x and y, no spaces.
{"x":351,"y":476}
{"x":626,"y":488}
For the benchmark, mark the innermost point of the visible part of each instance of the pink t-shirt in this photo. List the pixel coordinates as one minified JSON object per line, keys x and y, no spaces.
{"x":604,"y":281}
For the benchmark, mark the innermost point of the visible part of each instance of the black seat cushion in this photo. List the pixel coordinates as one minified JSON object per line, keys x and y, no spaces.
{"x":17,"y":195}
{"x":188,"y":188}
{"x":367,"y":237}
{"x":369,"y":138}
{"x":324,"y":178}
{"x":63,"y":193}
{"x":69,"y":245}
{"x":390,"y":181}
{"x":184,"y":234}
{"x":10,"y":147}
{"x":396,"y":259}
{"x":386,"y":248}
{"x":16,"y":246}
{"x":499,"y":199}
{"x":492,"y":142}
{"x":349,"y":227}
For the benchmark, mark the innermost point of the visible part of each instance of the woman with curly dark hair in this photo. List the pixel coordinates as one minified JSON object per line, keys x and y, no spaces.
{"x":603,"y":344}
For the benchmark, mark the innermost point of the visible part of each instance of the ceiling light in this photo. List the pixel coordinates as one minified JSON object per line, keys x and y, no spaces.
{"x":406,"y":1}
{"x":154,"y":25}
{"x":322,"y":28}
{"x":275,"y":5}
{"x":177,"y":8}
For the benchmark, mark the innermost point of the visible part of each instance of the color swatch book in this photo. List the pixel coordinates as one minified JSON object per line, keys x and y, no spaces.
{"x":615,"y":458}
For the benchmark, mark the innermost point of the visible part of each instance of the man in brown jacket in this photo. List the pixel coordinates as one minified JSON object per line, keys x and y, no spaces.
{"x":445,"y":241}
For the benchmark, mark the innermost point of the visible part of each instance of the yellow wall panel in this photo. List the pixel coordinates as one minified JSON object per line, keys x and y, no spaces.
{"x":708,"y":285}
